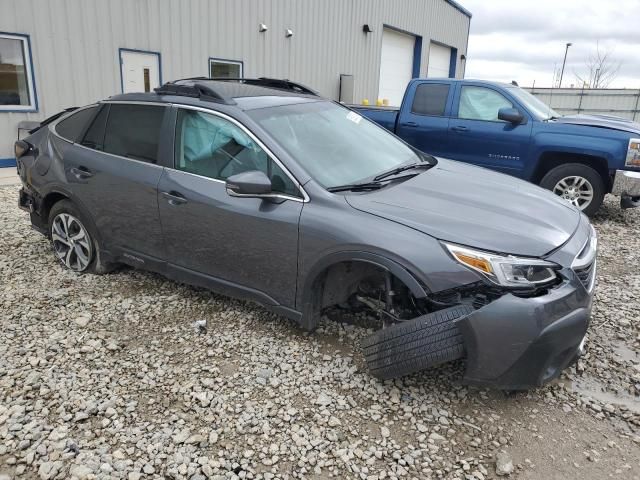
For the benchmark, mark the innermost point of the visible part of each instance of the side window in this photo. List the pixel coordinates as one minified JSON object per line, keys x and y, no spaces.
{"x":133,"y":131}
{"x":94,"y":138}
{"x":213,"y":147}
{"x":430,"y":99}
{"x":74,"y":126}
{"x":480,"y":103}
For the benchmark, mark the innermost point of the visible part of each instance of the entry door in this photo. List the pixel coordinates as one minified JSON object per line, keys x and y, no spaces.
{"x":140,"y":71}
{"x":251,"y":243}
{"x":396,"y":65}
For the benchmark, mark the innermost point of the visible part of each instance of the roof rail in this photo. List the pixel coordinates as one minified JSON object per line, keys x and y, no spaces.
{"x":281,"y":84}
{"x":195,"y":90}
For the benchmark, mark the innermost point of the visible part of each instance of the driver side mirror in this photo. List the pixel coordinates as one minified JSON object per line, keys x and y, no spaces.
{"x":511,"y":115}
{"x":253,"y":183}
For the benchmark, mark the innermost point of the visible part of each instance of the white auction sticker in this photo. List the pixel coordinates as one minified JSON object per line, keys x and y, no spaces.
{"x":354,"y":117}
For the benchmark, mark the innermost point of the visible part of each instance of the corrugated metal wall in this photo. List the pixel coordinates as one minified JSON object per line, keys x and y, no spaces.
{"x":75,"y":42}
{"x":570,"y":101}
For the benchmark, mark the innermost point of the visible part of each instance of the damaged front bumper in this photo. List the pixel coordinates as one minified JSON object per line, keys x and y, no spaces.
{"x":517,"y":343}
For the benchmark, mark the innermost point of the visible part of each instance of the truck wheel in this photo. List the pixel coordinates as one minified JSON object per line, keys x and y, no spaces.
{"x":579,"y":184}
{"x":413,"y":345}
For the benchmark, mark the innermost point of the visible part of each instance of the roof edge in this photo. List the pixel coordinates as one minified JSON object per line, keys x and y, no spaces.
{"x":459,"y":7}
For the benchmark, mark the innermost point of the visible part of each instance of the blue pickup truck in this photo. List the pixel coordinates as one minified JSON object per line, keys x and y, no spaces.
{"x":505,"y":128}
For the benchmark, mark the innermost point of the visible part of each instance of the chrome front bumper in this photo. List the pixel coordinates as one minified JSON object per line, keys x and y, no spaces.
{"x":626,"y":183}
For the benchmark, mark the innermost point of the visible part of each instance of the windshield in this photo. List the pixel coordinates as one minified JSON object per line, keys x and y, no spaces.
{"x":335,"y":145}
{"x":538,"y":109}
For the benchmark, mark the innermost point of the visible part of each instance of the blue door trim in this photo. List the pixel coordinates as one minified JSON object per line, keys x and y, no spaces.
{"x":417,"y":49}
{"x":7,"y":162}
{"x":33,"y":75}
{"x":134,"y":50}
{"x":452,"y":62}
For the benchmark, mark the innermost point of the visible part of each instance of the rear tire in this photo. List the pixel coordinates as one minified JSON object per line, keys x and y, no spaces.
{"x":413,"y":345}
{"x":73,"y":240}
{"x":559,"y":181}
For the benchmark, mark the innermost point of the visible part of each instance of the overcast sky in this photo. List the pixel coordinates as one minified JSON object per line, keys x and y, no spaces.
{"x":522,"y":39}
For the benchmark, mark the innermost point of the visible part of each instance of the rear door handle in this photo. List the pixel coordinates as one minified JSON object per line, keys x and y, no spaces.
{"x":81,"y":173}
{"x":460,"y":128}
{"x":174,"y":198}
{"x":410,"y":124}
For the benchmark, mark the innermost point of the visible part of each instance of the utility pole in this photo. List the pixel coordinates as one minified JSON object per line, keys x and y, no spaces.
{"x":563,"y":63}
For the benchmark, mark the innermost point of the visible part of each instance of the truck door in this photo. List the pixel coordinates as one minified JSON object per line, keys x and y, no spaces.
{"x":423,"y":121}
{"x":477,"y":136}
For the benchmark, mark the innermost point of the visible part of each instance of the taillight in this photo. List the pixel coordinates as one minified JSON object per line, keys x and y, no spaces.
{"x":21,"y":147}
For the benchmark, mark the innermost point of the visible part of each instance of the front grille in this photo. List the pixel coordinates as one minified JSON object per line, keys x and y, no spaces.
{"x":584,"y":274}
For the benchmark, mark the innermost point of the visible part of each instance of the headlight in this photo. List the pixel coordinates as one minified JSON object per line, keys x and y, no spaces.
{"x":633,"y":153}
{"x":508,"y":271}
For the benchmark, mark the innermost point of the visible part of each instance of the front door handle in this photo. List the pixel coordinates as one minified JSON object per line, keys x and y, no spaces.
{"x":174,"y":198}
{"x":410,"y":124}
{"x":81,"y":173}
{"x":460,"y":128}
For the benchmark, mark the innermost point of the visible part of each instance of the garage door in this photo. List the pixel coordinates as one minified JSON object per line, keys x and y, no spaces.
{"x":439,"y":61}
{"x":396,"y":65}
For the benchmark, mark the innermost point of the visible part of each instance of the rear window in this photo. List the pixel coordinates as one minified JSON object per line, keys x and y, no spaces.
{"x":74,"y":126}
{"x":133,"y":131}
{"x":430,"y":99}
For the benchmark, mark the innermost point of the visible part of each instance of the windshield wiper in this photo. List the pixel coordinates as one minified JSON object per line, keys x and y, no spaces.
{"x":356,"y":187}
{"x":401,"y":169}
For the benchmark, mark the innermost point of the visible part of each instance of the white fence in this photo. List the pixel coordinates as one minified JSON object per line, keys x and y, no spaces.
{"x":571,"y":101}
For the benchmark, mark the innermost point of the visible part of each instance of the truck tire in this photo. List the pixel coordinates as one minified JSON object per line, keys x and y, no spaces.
{"x":413,"y":345}
{"x":562,"y":181}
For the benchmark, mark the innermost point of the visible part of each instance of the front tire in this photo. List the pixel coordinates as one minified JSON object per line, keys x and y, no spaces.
{"x":73,"y":240}
{"x":414,"y":345}
{"x":579,"y":184}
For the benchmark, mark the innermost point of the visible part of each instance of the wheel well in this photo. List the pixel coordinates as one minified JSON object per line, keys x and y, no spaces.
{"x":550,"y":160}
{"x":339,"y":283}
{"x":47,"y":203}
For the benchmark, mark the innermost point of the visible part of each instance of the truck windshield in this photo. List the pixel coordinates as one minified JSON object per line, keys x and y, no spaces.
{"x":335,"y":145}
{"x":538,"y":109}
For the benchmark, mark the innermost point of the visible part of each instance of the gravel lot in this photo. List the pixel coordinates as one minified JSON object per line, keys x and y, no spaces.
{"x":108,"y":377}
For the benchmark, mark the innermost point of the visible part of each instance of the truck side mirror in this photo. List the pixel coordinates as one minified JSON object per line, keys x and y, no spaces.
{"x":511,"y":115}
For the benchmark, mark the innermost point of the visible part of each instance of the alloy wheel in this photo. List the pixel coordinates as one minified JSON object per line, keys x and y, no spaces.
{"x":71,"y":242}
{"x":576,"y":190}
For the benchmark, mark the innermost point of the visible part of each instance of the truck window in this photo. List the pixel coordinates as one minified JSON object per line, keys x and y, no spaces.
{"x":430,"y":99}
{"x":480,"y":103}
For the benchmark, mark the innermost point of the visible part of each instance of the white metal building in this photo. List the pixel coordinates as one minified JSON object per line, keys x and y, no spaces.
{"x":56,"y":54}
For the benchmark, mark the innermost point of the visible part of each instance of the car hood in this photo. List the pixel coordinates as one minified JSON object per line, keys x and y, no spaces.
{"x":476,"y":207}
{"x":602,"y":121}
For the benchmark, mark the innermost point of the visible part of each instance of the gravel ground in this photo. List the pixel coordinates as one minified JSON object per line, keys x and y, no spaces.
{"x":109,"y":377}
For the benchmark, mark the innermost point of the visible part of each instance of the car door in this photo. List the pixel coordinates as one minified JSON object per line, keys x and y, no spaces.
{"x":247,"y":244}
{"x":424,"y":123}
{"x":477,"y":136}
{"x":112,"y":170}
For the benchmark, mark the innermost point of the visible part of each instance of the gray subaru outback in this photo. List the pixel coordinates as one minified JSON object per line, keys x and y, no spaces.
{"x":260,"y":189}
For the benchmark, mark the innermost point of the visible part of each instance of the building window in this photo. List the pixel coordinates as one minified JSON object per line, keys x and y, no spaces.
{"x":17,"y":90}
{"x":225,"y":68}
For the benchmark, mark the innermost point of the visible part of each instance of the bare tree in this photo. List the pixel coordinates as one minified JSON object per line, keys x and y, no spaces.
{"x":601,"y":68}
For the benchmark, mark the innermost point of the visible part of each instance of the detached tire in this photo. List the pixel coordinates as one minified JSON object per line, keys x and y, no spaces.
{"x":423,"y":342}
{"x":574,"y":180}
